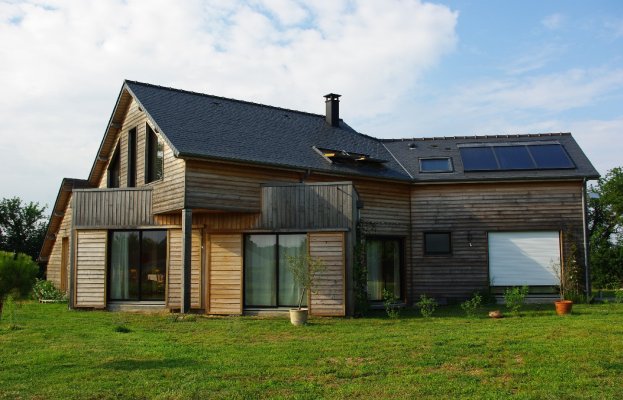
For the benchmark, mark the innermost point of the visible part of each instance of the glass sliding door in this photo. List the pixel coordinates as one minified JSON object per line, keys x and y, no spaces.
{"x":267,"y":279}
{"x":137,"y":269}
{"x":384,"y":264}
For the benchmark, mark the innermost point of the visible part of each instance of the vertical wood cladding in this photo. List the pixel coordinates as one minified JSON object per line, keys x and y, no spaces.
{"x":116,"y":208}
{"x":174,"y":274}
{"x":469,"y":211}
{"x":225,"y":274}
{"x":329,"y":294}
{"x":53,"y":270}
{"x":168,"y":192}
{"x":90,"y":283}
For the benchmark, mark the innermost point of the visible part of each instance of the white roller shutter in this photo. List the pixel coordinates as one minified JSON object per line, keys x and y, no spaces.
{"x":523,"y":258}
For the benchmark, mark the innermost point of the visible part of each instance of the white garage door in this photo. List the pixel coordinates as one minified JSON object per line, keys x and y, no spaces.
{"x":523,"y":258}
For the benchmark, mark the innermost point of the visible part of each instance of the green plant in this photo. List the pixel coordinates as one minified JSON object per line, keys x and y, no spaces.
{"x":17,"y":275}
{"x":45,"y":290}
{"x":390,"y":301}
{"x":618,"y":296}
{"x":472,"y":305}
{"x":122,"y":329}
{"x":304,"y":270}
{"x":514,"y":298}
{"x":569,"y":276}
{"x":427,"y":306}
{"x":9,"y":312}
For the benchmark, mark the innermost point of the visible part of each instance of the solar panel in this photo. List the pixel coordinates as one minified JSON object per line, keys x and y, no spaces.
{"x":478,"y":159}
{"x":514,"y":157}
{"x":550,"y":156}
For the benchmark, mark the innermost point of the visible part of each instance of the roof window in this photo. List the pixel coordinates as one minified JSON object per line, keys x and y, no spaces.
{"x":514,"y":156}
{"x":343,"y":156}
{"x":437,"y":164}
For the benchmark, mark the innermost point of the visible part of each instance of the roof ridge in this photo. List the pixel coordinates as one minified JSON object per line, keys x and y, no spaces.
{"x":505,"y":136}
{"x":222,"y":98}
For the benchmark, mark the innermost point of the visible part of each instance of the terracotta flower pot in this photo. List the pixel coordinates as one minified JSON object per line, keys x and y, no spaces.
{"x":563,"y":307}
{"x":298,"y":317}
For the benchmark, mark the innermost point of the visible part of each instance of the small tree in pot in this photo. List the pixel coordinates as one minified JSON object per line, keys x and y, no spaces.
{"x":304,"y":271}
{"x":569,"y":284}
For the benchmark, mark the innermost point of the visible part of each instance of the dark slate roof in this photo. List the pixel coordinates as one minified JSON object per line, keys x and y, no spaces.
{"x":205,"y":126}
{"x":409,"y":151}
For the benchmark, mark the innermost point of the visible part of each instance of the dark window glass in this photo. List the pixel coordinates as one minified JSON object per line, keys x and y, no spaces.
{"x":137,"y":267}
{"x":478,"y":158}
{"x":267,"y":280}
{"x":114,"y":171}
{"x":550,"y":156}
{"x":514,"y":157}
{"x":154,"y":156}
{"x":437,"y":243}
{"x":132,"y":158}
{"x":383,"y":262}
{"x":435,"y":165}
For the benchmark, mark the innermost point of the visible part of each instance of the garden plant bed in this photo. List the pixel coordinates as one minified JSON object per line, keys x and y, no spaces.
{"x":62,"y":354}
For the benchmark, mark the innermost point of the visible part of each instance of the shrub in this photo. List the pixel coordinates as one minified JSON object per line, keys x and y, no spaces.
{"x":45,"y":290}
{"x":427,"y":306}
{"x":472,"y":305}
{"x":618,"y":296}
{"x":390,"y":302}
{"x":17,"y":275}
{"x":514,"y":298}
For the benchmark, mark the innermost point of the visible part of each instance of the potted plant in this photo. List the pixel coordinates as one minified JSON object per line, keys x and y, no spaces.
{"x":568,"y":283}
{"x":304,"y":270}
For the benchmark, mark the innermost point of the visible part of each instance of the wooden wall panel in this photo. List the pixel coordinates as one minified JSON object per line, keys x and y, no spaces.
{"x":53,"y":270}
{"x":469,"y":212}
{"x":386,"y":207}
{"x":113,"y":208}
{"x":91,"y":250}
{"x":225,"y":274}
{"x":329,"y":294}
{"x":196,"y":288}
{"x":174,"y":274}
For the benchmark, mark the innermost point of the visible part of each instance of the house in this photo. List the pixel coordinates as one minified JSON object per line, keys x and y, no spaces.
{"x":195,"y":201}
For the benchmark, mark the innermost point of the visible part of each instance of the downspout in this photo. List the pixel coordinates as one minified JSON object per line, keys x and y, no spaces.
{"x":587,"y":274}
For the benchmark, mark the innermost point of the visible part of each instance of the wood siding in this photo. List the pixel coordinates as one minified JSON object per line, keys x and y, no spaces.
{"x":469,"y":212}
{"x":113,"y":208}
{"x":225,"y":274}
{"x":168,"y":192}
{"x":53,"y":271}
{"x":329,"y":294}
{"x":91,"y":249}
{"x":174,"y":273}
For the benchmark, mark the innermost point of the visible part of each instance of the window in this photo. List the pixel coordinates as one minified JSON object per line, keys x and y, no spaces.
{"x":114,"y":170}
{"x":442,"y":164}
{"x":517,"y":156}
{"x":267,"y":280}
{"x":137,"y":266}
{"x":132,"y":158}
{"x":154,"y":156}
{"x":384,"y":264}
{"x":437,"y":243}
{"x":349,"y":157}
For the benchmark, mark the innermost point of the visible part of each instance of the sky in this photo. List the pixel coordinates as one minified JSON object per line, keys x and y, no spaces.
{"x":404,"y":68}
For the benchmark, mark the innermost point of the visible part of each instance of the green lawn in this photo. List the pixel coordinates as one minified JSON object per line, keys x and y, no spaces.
{"x":72,"y":354}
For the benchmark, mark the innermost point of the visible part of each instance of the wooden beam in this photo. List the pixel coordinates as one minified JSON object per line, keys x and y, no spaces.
{"x":187,"y":218}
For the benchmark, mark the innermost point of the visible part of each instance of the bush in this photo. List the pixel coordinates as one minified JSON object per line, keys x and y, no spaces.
{"x":45,"y":290}
{"x":9,"y":313}
{"x":390,"y":302}
{"x":618,"y":296}
{"x":427,"y":306}
{"x":472,"y":305}
{"x":17,"y":274}
{"x":514,"y":298}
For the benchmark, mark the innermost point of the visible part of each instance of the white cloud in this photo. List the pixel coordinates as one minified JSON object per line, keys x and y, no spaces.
{"x":63,"y":63}
{"x":553,"y":21}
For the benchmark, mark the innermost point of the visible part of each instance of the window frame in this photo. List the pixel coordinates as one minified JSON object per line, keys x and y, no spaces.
{"x":450,"y":165}
{"x":436,"y":253}
{"x":151,"y":137}
{"x":114,"y":161}
{"x":132,"y":152}
{"x":401,"y":254}
{"x":276,"y":259}
{"x":140,"y":250}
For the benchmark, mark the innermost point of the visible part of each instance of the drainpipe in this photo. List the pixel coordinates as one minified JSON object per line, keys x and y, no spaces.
{"x":587,"y":274}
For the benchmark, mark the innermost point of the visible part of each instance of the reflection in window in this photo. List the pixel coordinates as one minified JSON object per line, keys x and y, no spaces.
{"x":154,"y":157}
{"x":384,"y":265}
{"x":437,"y":243}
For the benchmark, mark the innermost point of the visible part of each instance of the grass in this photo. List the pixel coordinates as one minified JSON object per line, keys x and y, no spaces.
{"x":61,"y":354}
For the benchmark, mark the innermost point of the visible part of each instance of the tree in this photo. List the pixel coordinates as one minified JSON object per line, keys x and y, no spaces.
{"x":22,"y":226}
{"x":17,"y":275}
{"x":605,"y":224}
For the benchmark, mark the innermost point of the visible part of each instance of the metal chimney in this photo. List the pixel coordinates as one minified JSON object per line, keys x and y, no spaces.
{"x":333,"y":109}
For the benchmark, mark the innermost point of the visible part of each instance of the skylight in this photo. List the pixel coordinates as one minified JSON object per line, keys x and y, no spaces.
{"x":343,"y":156}
{"x":515,"y":156}
{"x":437,"y":164}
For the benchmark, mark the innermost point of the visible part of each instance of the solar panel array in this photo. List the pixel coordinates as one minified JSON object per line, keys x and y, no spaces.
{"x":515,"y":157}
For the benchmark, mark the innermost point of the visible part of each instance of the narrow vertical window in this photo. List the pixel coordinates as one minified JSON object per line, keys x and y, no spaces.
{"x":114,"y":170}
{"x":132,"y":157}
{"x":383,"y":258}
{"x":154,"y":157}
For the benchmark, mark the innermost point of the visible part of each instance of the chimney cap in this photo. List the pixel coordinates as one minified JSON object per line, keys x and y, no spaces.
{"x":332,"y":96}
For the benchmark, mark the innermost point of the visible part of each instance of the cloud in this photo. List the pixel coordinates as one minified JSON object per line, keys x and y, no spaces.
{"x":64,"y":62}
{"x":553,"y":22}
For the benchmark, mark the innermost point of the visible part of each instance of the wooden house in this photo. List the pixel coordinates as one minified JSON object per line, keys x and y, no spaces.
{"x":195,"y":201}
